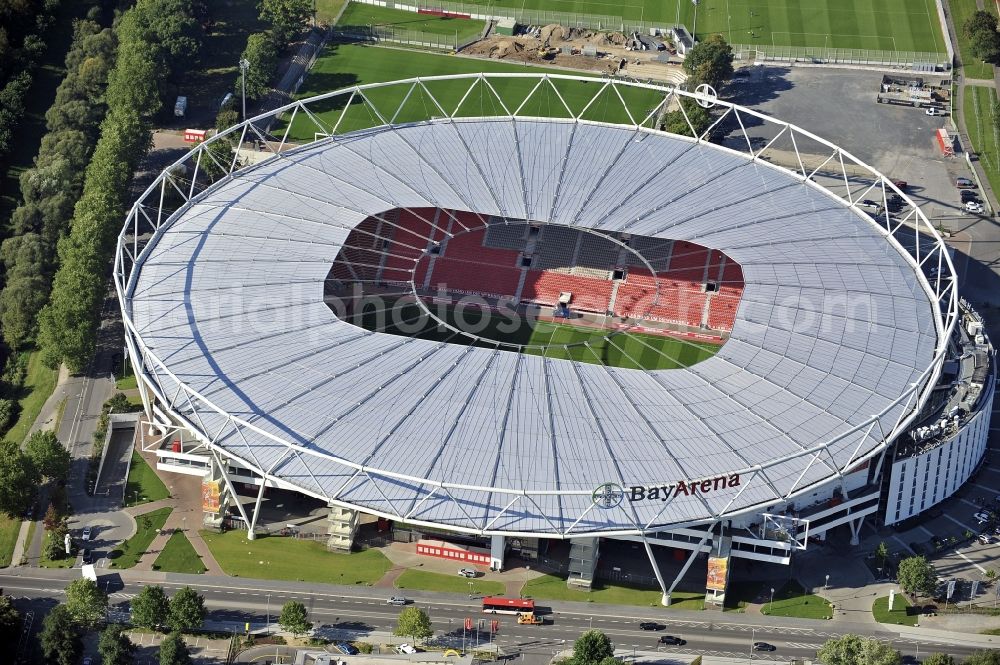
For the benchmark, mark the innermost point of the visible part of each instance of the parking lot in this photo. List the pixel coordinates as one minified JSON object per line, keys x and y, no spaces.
{"x":840,"y":106}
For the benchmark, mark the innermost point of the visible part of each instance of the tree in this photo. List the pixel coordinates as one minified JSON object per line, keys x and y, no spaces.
{"x":55,"y":544}
{"x":591,"y":648}
{"x":699,"y":117}
{"x":8,"y":411}
{"x":173,"y":651}
{"x":86,"y":603}
{"x":150,"y":607}
{"x":187,"y":610}
{"x":49,"y":456}
{"x":984,"y":657}
{"x":710,"y":61}
{"x":60,"y":637}
{"x":881,"y":554}
{"x":990,"y":574}
{"x":287,"y":18}
{"x":939,"y":659}
{"x":984,"y":40}
{"x":413,"y":622}
{"x":10,"y":621}
{"x":18,"y":479}
{"x":263,"y":58}
{"x":858,"y":650}
{"x":917,"y":576}
{"x":115,"y":647}
{"x":294,"y":618}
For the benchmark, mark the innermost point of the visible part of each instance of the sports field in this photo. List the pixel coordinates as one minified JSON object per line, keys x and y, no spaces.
{"x":892,"y":25}
{"x":358,"y":14}
{"x":344,"y":65}
{"x":632,"y":350}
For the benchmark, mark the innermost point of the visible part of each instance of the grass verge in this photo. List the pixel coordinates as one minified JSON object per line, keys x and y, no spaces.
{"x":902,"y":614}
{"x":143,"y":485}
{"x":362,"y":15}
{"x":9,"y":528}
{"x":327,"y":10}
{"x":45,"y":562}
{"x":39,"y":382}
{"x":279,"y":558}
{"x":129,"y":552}
{"x":792,"y":600}
{"x":419,"y":579}
{"x":981,"y":125}
{"x":178,"y":556}
{"x":552,"y":587}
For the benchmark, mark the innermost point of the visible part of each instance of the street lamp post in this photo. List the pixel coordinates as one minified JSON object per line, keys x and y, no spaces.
{"x":753,"y":634}
{"x":770,"y":602}
{"x":244,"y":66}
{"x":470,"y":589}
{"x":826,"y":585}
{"x":268,"y":629}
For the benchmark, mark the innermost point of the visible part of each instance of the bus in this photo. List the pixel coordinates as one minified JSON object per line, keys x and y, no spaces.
{"x":501,"y":605}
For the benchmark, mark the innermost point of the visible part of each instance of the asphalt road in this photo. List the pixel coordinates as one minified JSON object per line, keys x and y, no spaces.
{"x":350,"y":612}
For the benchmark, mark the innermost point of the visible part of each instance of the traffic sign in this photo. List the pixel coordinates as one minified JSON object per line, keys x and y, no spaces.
{"x":468,"y":623}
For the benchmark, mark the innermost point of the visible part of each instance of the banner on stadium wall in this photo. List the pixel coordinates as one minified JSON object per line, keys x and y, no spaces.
{"x":210,"y":496}
{"x":718,"y":571}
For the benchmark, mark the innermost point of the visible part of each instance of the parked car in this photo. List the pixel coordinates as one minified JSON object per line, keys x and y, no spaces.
{"x":396,"y":600}
{"x":672,"y":640}
{"x":85,"y":557}
{"x":868,"y":203}
{"x":973,"y":206}
{"x":347,"y":648}
{"x":86,"y":533}
{"x":985,"y":538}
{"x":901,"y":185}
{"x":764,"y":646}
{"x":933,"y":110}
{"x":964,"y":183}
{"x":651,"y":625}
{"x":405,"y":648}
{"x":467,"y":572}
{"x":969,"y":195}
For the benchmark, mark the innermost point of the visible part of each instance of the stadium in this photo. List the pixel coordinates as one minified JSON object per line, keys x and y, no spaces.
{"x":484,"y":321}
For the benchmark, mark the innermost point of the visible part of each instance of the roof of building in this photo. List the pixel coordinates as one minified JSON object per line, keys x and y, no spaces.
{"x":833,"y":332}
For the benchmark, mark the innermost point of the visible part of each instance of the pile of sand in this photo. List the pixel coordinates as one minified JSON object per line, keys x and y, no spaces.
{"x":616,"y":38}
{"x":504,"y":48}
{"x":552,"y":33}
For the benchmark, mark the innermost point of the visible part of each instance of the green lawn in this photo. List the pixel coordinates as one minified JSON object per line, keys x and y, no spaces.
{"x":595,"y":345}
{"x":972,"y":67}
{"x":178,"y":556}
{"x":326,"y":10}
{"x":45,"y":562}
{"x":9,"y":529}
{"x":979,"y":120}
{"x":903,"y":25}
{"x":419,"y":579}
{"x":792,"y":601}
{"x":344,"y":65}
{"x":362,"y":15}
{"x":900,"y":613}
{"x":143,"y":485}
{"x":129,"y":552}
{"x":278,"y":558}
{"x":552,"y":587}
{"x":39,"y":382}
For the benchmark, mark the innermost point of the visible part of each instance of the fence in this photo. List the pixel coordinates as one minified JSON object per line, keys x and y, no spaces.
{"x":380,"y":33}
{"x":913,"y":60}
{"x":523,"y":15}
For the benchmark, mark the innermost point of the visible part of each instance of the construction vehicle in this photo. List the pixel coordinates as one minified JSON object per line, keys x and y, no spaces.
{"x":529,"y":619}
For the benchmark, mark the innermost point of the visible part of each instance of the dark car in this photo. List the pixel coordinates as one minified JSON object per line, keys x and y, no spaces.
{"x":672,"y":640}
{"x":349,"y":649}
{"x":651,"y":625}
{"x":901,"y":185}
{"x":85,"y":555}
{"x":764,"y":646}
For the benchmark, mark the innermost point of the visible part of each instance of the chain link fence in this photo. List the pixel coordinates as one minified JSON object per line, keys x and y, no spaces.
{"x":912,"y":60}
{"x":393,"y":35}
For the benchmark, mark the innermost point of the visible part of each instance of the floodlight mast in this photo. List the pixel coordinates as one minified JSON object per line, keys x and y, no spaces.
{"x":244,"y":66}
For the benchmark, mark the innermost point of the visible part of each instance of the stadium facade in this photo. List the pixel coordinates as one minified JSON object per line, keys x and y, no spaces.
{"x":845,"y":378}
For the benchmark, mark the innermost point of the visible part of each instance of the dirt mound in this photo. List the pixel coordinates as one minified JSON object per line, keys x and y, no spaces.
{"x":552,"y":33}
{"x":505,"y":48}
{"x":616,"y":38}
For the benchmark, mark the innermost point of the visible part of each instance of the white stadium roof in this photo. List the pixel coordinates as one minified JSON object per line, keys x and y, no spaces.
{"x":835,"y":340}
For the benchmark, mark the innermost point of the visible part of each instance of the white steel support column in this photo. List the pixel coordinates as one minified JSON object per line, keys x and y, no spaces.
{"x":665,"y":598}
{"x":687,"y":564}
{"x":856,"y":529}
{"x":256,"y":510}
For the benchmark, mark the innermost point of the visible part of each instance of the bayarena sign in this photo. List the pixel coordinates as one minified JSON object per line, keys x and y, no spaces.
{"x":610,"y":495}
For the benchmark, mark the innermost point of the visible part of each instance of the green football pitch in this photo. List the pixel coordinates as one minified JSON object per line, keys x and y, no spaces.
{"x":343,"y":65}
{"x":358,"y":14}
{"x":633,"y":350}
{"x":890,"y":25}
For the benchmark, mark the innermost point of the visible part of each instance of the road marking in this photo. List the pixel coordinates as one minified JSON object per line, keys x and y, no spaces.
{"x":962,"y":554}
{"x":961,"y":524}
